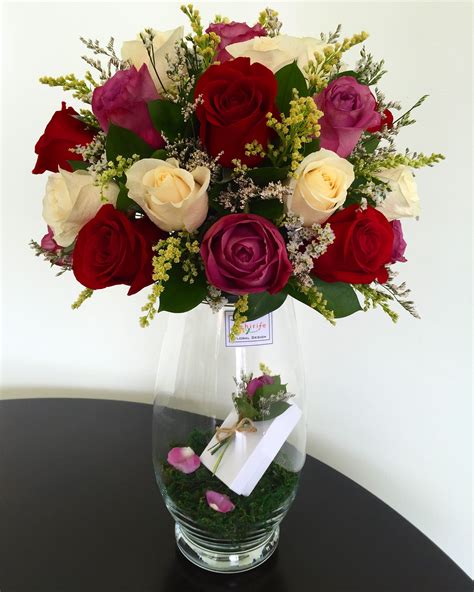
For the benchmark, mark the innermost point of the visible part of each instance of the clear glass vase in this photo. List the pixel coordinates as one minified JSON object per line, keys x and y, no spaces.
{"x":193,"y":395}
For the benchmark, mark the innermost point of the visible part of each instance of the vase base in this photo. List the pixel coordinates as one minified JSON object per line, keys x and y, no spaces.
{"x":231,"y":561}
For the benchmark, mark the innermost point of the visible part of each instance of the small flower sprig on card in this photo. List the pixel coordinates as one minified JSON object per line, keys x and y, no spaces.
{"x":259,"y":398}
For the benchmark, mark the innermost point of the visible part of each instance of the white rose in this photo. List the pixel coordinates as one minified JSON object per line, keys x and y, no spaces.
{"x":163,"y":44}
{"x":402,"y":201}
{"x":279,"y":51}
{"x":321,"y":186}
{"x":173,"y":198}
{"x":71,"y":200}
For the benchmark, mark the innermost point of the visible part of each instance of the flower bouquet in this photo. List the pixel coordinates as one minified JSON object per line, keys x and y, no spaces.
{"x":239,"y":167}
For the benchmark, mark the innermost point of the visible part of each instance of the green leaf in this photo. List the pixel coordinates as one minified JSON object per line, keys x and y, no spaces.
{"x":160,"y":154}
{"x":272,"y":209}
{"x":311,"y":147}
{"x":267,"y":390}
{"x":348,"y":73}
{"x":245,"y":408}
{"x":181,"y":296}
{"x":167,"y":118}
{"x":263,"y":176}
{"x":371,"y":144}
{"x":124,"y":203}
{"x":341,"y":297}
{"x":262,"y":303}
{"x":78,"y":165}
{"x":288,"y":78}
{"x":276,"y":409}
{"x":123,"y":142}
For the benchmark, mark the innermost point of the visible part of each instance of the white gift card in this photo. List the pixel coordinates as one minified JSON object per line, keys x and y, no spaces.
{"x":249,"y":454}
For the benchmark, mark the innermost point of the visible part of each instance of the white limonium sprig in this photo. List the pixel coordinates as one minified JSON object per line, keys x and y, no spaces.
{"x":270,"y":22}
{"x":215,"y":299}
{"x":237,"y":196}
{"x":305,"y":245}
{"x":147,"y":36}
{"x":113,"y":64}
{"x":182,"y":80}
{"x":190,"y":154}
{"x":400,"y":293}
{"x":94,"y":153}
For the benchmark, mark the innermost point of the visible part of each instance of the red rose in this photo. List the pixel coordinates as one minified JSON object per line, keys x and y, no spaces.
{"x":111,"y":249}
{"x":387,"y":119}
{"x":244,"y":254}
{"x":361,"y":250}
{"x":63,"y":132}
{"x":236,"y":98}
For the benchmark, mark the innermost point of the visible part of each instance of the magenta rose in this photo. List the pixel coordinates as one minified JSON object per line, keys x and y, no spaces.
{"x":123,"y":99}
{"x":244,"y":254}
{"x":399,"y":244}
{"x":233,"y":33}
{"x":349,"y":108}
{"x":257,"y":382}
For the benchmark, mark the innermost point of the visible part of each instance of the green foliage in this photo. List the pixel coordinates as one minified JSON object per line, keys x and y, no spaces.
{"x":348,"y":73}
{"x":160,"y":154}
{"x":124,"y":203}
{"x":167,"y":118}
{"x":311,"y":147}
{"x":181,"y":296}
{"x":272,"y":209}
{"x":288,"y":78}
{"x":78,"y":165}
{"x":340,"y":297}
{"x":245,"y":408}
{"x":276,"y":489}
{"x":123,"y":142}
{"x":371,"y":144}
{"x":276,"y":409}
{"x":262,"y":303}
{"x":265,"y":175}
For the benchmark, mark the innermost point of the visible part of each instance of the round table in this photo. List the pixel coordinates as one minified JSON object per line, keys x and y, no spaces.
{"x":80,"y":512}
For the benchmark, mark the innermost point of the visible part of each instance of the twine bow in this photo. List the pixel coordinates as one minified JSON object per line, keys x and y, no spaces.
{"x":244,"y":425}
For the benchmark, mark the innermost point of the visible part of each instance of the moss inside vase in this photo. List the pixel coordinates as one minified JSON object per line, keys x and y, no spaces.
{"x":276,"y":488}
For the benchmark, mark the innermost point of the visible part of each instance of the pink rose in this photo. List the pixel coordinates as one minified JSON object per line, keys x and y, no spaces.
{"x":233,"y":33}
{"x":48,"y":243}
{"x":399,"y":244}
{"x":349,"y":108}
{"x":123,"y":99}
{"x":256,"y":383}
{"x":244,"y":254}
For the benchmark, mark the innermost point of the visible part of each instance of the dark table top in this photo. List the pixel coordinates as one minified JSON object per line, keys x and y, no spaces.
{"x":80,"y":512}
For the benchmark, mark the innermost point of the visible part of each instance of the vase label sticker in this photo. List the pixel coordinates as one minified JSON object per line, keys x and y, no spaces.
{"x":257,"y":332}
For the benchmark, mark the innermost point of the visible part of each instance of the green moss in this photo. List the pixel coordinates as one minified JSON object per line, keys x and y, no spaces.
{"x":187,"y":492}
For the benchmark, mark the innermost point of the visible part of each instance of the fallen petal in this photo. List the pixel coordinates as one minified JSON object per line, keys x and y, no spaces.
{"x":219,"y":502}
{"x":184,"y":459}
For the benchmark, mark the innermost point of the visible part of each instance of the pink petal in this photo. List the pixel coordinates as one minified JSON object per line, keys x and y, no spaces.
{"x":184,"y":459}
{"x":219,"y":502}
{"x":48,"y":243}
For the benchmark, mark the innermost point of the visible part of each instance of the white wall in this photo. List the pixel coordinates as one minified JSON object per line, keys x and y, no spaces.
{"x":389,"y":405}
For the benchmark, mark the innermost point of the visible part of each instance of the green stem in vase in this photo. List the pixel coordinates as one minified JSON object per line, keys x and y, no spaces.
{"x":224,"y":447}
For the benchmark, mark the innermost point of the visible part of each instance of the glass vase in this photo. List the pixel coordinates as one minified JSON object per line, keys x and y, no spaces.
{"x":196,"y":376}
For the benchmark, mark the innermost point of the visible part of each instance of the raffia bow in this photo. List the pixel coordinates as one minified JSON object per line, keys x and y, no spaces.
{"x":244,"y":425}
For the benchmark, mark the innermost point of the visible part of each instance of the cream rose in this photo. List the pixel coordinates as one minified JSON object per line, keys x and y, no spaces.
{"x":173,"y":198}
{"x":163,"y":44}
{"x":321,"y":186}
{"x":71,"y":200}
{"x":279,"y":51}
{"x":402,"y":201}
